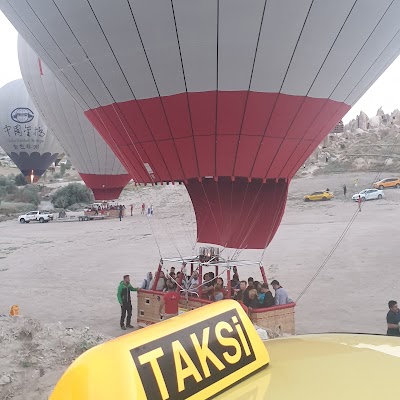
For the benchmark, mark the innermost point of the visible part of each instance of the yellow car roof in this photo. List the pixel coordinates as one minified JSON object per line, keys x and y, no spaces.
{"x":325,"y":367}
{"x":215,"y":352}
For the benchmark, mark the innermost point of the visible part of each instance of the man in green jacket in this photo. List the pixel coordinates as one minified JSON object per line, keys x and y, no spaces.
{"x":124,"y":298}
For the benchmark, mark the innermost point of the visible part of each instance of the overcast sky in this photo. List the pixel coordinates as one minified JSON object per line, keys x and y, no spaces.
{"x":385,"y":92}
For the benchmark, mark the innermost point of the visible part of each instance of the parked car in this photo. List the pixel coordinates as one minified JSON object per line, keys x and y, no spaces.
{"x":318,"y":196}
{"x":369,"y":194}
{"x":387,"y":183}
{"x":39,"y":216}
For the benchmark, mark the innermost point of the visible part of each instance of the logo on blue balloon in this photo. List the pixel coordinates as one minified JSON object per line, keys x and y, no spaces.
{"x":22,"y":115}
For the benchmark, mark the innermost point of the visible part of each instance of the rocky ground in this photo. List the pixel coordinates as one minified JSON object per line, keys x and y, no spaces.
{"x":34,"y":355}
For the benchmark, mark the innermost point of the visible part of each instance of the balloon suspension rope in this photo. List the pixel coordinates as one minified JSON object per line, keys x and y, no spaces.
{"x":153,"y":182}
{"x":343,"y":234}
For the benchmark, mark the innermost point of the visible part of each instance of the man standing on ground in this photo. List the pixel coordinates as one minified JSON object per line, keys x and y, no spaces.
{"x":143,"y":207}
{"x":281,"y":296}
{"x":344,"y":190}
{"x":120,"y":213}
{"x":393,"y":319}
{"x":124,"y":298}
{"x":170,"y":303}
{"x":359,"y":200}
{"x":131,"y":210}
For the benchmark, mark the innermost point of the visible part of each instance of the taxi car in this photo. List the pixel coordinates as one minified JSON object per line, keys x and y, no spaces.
{"x":387,"y":183}
{"x":215,"y":352}
{"x":319,"y":196}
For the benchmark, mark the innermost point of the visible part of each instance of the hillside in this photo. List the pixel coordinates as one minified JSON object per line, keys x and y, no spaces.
{"x":367,"y":144}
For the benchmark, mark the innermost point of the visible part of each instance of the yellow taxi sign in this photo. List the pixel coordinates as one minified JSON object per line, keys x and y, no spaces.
{"x":193,"y":356}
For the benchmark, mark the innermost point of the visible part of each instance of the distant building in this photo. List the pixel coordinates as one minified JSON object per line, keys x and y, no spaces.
{"x":395,"y":117}
{"x":338,"y":128}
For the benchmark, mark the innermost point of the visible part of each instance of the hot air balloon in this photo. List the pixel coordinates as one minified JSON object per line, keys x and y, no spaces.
{"x":24,"y":135}
{"x":229,"y":97}
{"x":99,"y":168}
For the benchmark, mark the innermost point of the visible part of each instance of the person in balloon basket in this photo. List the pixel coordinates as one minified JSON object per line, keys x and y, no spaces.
{"x":253,"y":301}
{"x":250,"y":286}
{"x":281,"y":297}
{"x":170,"y":302}
{"x":208,"y":285}
{"x":268,"y":299}
{"x":393,"y":319}
{"x":124,"y":298}
{"x":239,"y":293}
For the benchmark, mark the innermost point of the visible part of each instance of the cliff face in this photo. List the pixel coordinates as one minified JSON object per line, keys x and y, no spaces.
{"x":381,"y":119}
{"x":367,"y":144}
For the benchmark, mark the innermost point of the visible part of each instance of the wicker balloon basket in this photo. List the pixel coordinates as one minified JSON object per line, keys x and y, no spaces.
{"x":280,"y":318}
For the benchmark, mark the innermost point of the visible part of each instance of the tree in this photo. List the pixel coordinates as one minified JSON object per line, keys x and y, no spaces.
{"x":71,"y":194}
{"x":62,"y":169}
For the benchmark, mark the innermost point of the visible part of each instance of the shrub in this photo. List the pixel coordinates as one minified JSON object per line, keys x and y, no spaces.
{"x":3,"y":192}
{"x":71,"y":194}
{"x":20,"y":180}
{"x":27,"y":194}
{"x":57,"y":176}
{"x":11,"y":187}
{"x":7,"y":186}
{"x":15,"y":208}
